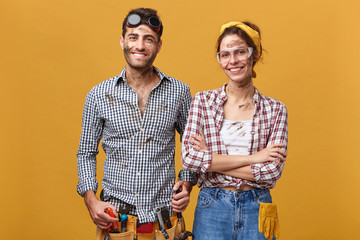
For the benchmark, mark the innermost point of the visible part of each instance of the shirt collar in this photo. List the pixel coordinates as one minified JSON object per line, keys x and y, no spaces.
{"x":222,"y":95}
{"x":122,"y":76}
{"x":257,"y":96}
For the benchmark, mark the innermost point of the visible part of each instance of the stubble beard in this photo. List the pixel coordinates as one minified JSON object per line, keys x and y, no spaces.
{"x":146,"y":63}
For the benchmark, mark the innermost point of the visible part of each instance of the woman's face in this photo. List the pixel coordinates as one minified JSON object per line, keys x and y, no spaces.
{"x":235,"y":67}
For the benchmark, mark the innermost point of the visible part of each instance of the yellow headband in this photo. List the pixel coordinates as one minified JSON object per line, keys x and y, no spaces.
{"x":254,"y":35}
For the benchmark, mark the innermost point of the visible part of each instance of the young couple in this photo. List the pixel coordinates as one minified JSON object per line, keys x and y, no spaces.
{"x":234,"y":139}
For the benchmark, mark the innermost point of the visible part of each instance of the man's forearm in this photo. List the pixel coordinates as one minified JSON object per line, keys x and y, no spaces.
{"x":89,"y":198}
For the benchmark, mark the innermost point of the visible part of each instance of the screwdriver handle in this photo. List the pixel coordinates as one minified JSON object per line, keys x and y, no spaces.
{"x":110,"y":212}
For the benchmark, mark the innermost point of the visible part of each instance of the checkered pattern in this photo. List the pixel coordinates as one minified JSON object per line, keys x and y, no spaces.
{"x":139,"y":168}
{"x":269,"y":126}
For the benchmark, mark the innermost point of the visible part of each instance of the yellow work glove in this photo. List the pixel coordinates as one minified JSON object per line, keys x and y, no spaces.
{"x":268,"y":220}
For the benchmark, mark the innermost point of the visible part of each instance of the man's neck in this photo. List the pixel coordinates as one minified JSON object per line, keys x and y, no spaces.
{"x":142,"y":82}
{"x":140,"y":78}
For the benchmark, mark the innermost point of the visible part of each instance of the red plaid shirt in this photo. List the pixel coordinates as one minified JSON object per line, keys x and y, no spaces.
{"x":269,"y":126}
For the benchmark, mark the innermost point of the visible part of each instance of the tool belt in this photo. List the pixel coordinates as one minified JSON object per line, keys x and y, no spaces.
{"x":131,"y":234}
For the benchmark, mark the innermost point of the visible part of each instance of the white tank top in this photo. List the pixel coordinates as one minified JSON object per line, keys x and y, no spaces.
{"x":236,"y":136}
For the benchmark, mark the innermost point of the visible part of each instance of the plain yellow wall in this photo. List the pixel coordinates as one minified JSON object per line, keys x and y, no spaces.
{"x":54,"y":51}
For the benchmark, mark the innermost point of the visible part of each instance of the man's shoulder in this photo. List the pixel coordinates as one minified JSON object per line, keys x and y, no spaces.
{"x":177,"y":84}
{"x":105,"y":85}
{"x":174,"y":81}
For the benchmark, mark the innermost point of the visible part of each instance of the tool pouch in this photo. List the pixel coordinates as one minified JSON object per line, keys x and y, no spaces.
{"x":130,"y":230}
{"x":130,"y":234}
{"x":172,"y":232}
{"x":122,"y":236}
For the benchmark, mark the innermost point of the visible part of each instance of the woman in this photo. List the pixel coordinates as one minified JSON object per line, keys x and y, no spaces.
{"x":236,"y":139}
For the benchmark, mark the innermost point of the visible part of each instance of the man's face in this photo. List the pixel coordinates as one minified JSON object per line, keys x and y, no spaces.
{"x":140,"y":45}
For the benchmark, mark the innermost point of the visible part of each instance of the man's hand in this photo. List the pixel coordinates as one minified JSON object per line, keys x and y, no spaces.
{"x":181,"y":200}
{"x":97,"y":210}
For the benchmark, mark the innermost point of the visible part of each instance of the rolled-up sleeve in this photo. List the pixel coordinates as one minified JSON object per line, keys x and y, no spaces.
{"x":91,"y":133}
{"x":194,"y":160}
{"x":185,"y":175}
{"x":188,"y":176}
{"x":269,"y":172}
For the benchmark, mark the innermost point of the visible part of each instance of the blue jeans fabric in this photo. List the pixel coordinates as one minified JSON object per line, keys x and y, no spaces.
{"x":229,"y":215}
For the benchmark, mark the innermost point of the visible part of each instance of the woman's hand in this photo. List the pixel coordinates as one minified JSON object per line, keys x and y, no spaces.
{"x":199,"y":142}
{"x":271,"y":153}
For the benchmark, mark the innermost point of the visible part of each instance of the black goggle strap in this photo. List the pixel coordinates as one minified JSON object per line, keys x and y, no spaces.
{"x":153,"y":22}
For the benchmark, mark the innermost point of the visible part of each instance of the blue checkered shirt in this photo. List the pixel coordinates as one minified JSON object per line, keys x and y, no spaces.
{"x":139,"y":168}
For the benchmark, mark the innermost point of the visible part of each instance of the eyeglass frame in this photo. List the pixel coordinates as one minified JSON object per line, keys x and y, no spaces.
{"x":231,"y":50}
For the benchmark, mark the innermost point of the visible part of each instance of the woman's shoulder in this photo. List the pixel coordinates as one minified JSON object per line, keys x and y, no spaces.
{"x":272,"y":103}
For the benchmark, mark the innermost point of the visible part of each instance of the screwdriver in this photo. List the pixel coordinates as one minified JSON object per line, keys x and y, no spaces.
{"x":115,"y":228}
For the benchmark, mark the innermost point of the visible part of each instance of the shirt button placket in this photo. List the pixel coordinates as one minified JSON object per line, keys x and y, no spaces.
{"x":139,"y":159}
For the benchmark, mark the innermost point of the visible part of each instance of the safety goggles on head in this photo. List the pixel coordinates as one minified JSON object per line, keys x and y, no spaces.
{"x":240,"y":53}
{"x":134,"y":20}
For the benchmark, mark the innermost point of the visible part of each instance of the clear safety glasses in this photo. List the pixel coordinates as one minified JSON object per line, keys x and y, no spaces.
{"x":240,"y":53}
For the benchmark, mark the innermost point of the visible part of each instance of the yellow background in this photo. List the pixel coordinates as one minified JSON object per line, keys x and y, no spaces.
{"x":54,"y":51}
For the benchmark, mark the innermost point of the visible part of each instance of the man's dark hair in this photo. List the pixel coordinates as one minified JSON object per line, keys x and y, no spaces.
{"x":145,"y":14}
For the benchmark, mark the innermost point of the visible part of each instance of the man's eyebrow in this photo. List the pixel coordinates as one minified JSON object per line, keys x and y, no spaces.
{"x":133,"y":34}
{"x":145,"y":36}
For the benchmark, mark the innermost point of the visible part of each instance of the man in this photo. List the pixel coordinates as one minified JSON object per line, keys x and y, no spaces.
{"x":136,"y":114}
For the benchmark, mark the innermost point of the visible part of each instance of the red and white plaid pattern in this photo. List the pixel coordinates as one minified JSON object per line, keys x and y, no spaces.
{"x":269,"y":126}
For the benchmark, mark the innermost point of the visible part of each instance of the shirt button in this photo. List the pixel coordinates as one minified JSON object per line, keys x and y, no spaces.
{"x":140,"y":151}
{"x":141,"y":129}
{"x":138,"y":173}
{"x":252,"y":132}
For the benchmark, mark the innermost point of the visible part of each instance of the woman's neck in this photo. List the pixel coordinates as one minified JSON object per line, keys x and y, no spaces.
{"x":240,"y":93}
